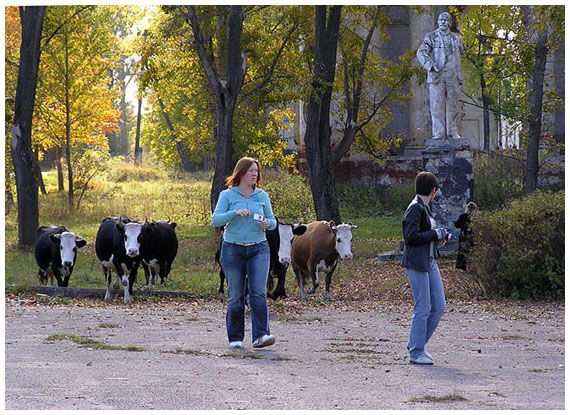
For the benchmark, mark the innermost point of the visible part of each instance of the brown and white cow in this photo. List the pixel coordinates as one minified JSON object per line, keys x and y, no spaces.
{"x":319,"y":249}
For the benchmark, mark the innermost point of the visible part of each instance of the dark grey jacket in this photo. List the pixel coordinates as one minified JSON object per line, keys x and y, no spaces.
{"x":418,"y":235}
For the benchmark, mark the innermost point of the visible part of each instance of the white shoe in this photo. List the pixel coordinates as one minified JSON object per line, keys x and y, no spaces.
{"x":263,"y":341}
{"x":422,"y":360}
{"x":426,"y":354}
{"x":236,"y":345}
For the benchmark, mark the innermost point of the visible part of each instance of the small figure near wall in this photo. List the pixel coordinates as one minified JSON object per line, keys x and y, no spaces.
{"x":465,"y":237}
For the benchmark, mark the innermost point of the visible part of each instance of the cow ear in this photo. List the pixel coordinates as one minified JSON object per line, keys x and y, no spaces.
{"x":120,"y":227}
{"x":173,"y":225}
{"x":79,"y":241}
{"x":299,"y":229}
{"x":352,"y":226}
{"x":147,"y":229}
{"x":56,"y":238}
{"x":332,"y":225}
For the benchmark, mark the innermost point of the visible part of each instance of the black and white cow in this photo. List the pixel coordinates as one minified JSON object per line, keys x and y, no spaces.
{"x":279,"y":240}
{"x":55,"y":250}
{"x":158,"y":249}
{"x":117,"y":246}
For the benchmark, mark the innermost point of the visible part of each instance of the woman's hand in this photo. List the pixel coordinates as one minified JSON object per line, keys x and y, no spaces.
{"x":243,"y":212}
{"x":264,"y":224}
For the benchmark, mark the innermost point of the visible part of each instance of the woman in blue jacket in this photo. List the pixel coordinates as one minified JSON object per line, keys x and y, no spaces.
{"x":246,"y":212}
{"x":420,"y":251}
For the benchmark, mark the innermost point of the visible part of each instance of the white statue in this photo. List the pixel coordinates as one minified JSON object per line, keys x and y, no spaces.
{"x":440,"y":55}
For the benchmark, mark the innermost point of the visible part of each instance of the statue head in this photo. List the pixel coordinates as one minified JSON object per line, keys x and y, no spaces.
{"x":444,"y":21}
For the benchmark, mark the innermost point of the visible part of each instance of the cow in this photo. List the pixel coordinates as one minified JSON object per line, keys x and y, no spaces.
{"x":280,"y":255}
{"x":55,"y":250}
{"x":117,"y":246}
{"x":279,"y":240}
{"x":319,"y":249}
{"x":158,"y":249}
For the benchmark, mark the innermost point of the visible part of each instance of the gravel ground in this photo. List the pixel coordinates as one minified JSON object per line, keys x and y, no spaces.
{"x":172,"y":354}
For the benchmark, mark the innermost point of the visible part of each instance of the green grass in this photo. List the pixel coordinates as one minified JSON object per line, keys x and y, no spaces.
{"x":183,"y":199}
{"x":92,"y":343}
{"x":443,"y":399}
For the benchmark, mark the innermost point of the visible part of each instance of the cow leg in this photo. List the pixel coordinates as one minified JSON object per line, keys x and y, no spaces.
{"x":155,"y":270}
{"x":315,"y":277}
{"x":128,"y":298}
{"x":328,"y":279}
{"x":270,"y":282}
{"x":167,"y":267}
{"x":43,"y":277}
{"x":162,"y":272}
{"x":146,"y":274}
{"x":57,"y":274}
{"x":220,"y":294}
{"x":66,"y":275}
{"x":280,"y":289}
{"x":108,"y":277}
{"x":117,"y":282}
{"x":299,"y":277}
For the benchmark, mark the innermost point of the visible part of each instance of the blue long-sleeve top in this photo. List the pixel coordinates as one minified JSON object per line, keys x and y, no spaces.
{"x":243,"y":229}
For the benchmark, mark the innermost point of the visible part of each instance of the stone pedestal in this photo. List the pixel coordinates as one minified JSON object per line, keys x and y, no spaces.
{"x":452,"y":162}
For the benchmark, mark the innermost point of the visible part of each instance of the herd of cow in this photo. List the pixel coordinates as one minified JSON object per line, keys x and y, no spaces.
{"x":122,"y":244}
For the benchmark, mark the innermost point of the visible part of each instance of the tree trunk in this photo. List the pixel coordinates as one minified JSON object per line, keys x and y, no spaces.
{"x":486,"y":114}
{"x":60,"y":186}
{"x":39,"y":172}
{"x":138,"y":149}
{"x":23,"y":159}
{"x":226,"y":90}
{"x":70,"y":203}
{"x":179,"y":144}
{"x":318,"y":131}
{"x":351,"y":125}
{"x":535,"y":108}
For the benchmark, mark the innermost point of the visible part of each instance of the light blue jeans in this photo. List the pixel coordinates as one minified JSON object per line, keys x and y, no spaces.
{"x":238,"y":261}
{"x":429,"y":299}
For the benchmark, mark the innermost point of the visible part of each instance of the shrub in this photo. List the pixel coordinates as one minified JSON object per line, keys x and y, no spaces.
{"x":498,"y":179}
{"x":120,"y":171}
{"x":359,"y":201}
{"x":519,"y":251}
{"x":290,"y":196}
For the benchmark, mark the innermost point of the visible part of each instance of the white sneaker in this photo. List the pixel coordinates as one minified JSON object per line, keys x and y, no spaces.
{"x":263,"y":341}
{"x":236,"y":345}
{"x":422,"y":360}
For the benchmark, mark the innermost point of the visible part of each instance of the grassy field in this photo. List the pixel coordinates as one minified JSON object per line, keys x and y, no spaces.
{"x":184,"y":200}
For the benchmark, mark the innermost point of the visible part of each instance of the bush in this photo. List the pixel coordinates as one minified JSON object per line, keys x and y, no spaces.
{"x":120,"y":172}
{"x":290,"y":196}
{"x":519,"y":251}
{"x":498,"y":179}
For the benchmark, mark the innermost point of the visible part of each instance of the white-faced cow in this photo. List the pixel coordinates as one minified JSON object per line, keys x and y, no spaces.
{"x":117,"y":246}
{"x":55,"y":250}
{"x":319,"y":249}
{"x":279,"y":241}
{"x":158,"y":250}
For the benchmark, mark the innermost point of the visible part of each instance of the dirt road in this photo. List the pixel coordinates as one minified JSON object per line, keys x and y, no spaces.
{"x":173,"y":355}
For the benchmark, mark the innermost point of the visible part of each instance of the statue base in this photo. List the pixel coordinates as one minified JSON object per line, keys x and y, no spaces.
{"x":447,"y":144}
{"x":452,"y":162}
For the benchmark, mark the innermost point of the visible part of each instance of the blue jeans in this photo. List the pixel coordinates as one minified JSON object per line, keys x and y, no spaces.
{"x":427,"y":290}
{"x":238,"y":261}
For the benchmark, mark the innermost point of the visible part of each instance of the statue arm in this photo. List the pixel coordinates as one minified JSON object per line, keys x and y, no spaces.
{"x":425,"y":55}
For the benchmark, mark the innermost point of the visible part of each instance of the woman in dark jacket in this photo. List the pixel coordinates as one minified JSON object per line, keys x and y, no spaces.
{"x":420,"y":251}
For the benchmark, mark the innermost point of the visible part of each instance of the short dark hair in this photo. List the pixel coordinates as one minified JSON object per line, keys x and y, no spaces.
{"x":425,"y":182}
